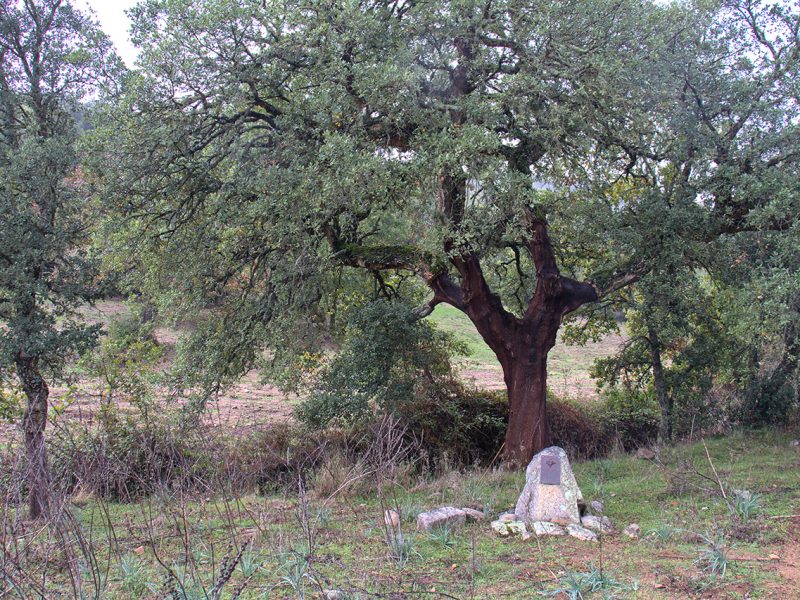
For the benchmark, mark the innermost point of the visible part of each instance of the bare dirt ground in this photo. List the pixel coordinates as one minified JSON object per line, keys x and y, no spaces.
{"x":241,"y":407}
{"x":251,"y":402}
{"x":789,"y":563}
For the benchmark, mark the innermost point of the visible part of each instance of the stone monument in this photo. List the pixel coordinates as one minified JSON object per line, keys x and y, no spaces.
{"x":551,"y":493}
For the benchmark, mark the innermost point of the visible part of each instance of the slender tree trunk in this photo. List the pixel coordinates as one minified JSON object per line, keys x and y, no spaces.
{"x":34,"y":423}
{"x":663,"y":396}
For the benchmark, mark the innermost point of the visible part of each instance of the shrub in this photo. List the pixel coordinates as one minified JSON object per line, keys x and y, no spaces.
{"x":274,"y":458}
{"x":126,"y":456}
{"x":386,"y":351}
{"x":628,"y":416}
{"x":769,"y":400}
{"x":12,"y":401}
{"x":455,"y":423}
{"x":125,"y":360}
{"x":393,"y":363}
{"x":575,"y":428}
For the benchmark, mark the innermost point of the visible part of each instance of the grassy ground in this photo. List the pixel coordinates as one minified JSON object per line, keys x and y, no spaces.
{"x":297,"y":545}
{"x":697,"y":544}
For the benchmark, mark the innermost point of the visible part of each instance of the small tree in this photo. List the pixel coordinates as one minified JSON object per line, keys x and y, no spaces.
{"x":51,"y":57}
{"x":675,"y":345}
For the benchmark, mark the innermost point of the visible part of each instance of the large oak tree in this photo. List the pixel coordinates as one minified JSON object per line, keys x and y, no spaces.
{"x":522,"y":159}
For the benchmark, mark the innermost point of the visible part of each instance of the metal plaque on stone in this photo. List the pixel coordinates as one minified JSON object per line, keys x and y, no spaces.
{"x":551,"y":470}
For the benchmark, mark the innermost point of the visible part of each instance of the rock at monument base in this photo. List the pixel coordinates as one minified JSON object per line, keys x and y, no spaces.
{"x":554,"y":503}
{"x":440,"y":517}
{"x":597,"y":507}
{"x":391,"y":518}
{"x":509,"y":528}
{"x":601,"y":524}
{"x":507,"y":517}
{"x":633,"y":531}
{"x":473,"y":515}
{"x":581,"y":533}
{"x":543,"y":528}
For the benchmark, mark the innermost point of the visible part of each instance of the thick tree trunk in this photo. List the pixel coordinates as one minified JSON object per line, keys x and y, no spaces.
{"x":520,"y":344}
{"x":34,"y":423}
{"x":528,"y":428}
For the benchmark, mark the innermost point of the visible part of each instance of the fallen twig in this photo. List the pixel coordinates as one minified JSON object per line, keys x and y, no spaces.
{"x":713,"y":468}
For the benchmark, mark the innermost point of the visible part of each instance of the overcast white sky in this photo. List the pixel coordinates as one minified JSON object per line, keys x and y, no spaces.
{"x":114,"y":21}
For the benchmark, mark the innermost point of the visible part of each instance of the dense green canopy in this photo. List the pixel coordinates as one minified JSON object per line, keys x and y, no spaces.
{"x":520,"y":159}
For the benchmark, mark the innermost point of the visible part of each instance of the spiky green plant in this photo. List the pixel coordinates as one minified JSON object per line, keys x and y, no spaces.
{"x":746,"y":505}
{"x":577,"y":585}
{"x":714,"y":558}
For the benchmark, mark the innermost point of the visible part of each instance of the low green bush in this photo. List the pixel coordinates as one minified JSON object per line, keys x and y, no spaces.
{"x":392,"y":363}
{"x":386,"y":353}
{"x":454,"y":423}
{"x":630,"y":417}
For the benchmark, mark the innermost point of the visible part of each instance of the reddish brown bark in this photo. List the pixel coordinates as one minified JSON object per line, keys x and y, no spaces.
{"x":520,"y":344}
{"x":528,"y":428}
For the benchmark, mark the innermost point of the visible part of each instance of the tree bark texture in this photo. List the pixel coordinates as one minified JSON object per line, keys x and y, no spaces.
{"x":521,"y":344}
{"x":34,"y":423}
{"x":659,"y":380}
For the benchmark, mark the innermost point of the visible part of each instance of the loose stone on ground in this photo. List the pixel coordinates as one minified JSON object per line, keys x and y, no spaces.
{"x":597,"y":506}
{"x":633,"y":531}
{"x":507,"y":517}
{"x":509,"y":528}
{"x":391,"y":518}
{"x":543,"y":528}
{"x":581,"y":533}
{"x":473,"y":515}
{"x":445,"y":516}
{"x":601,"y":524}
